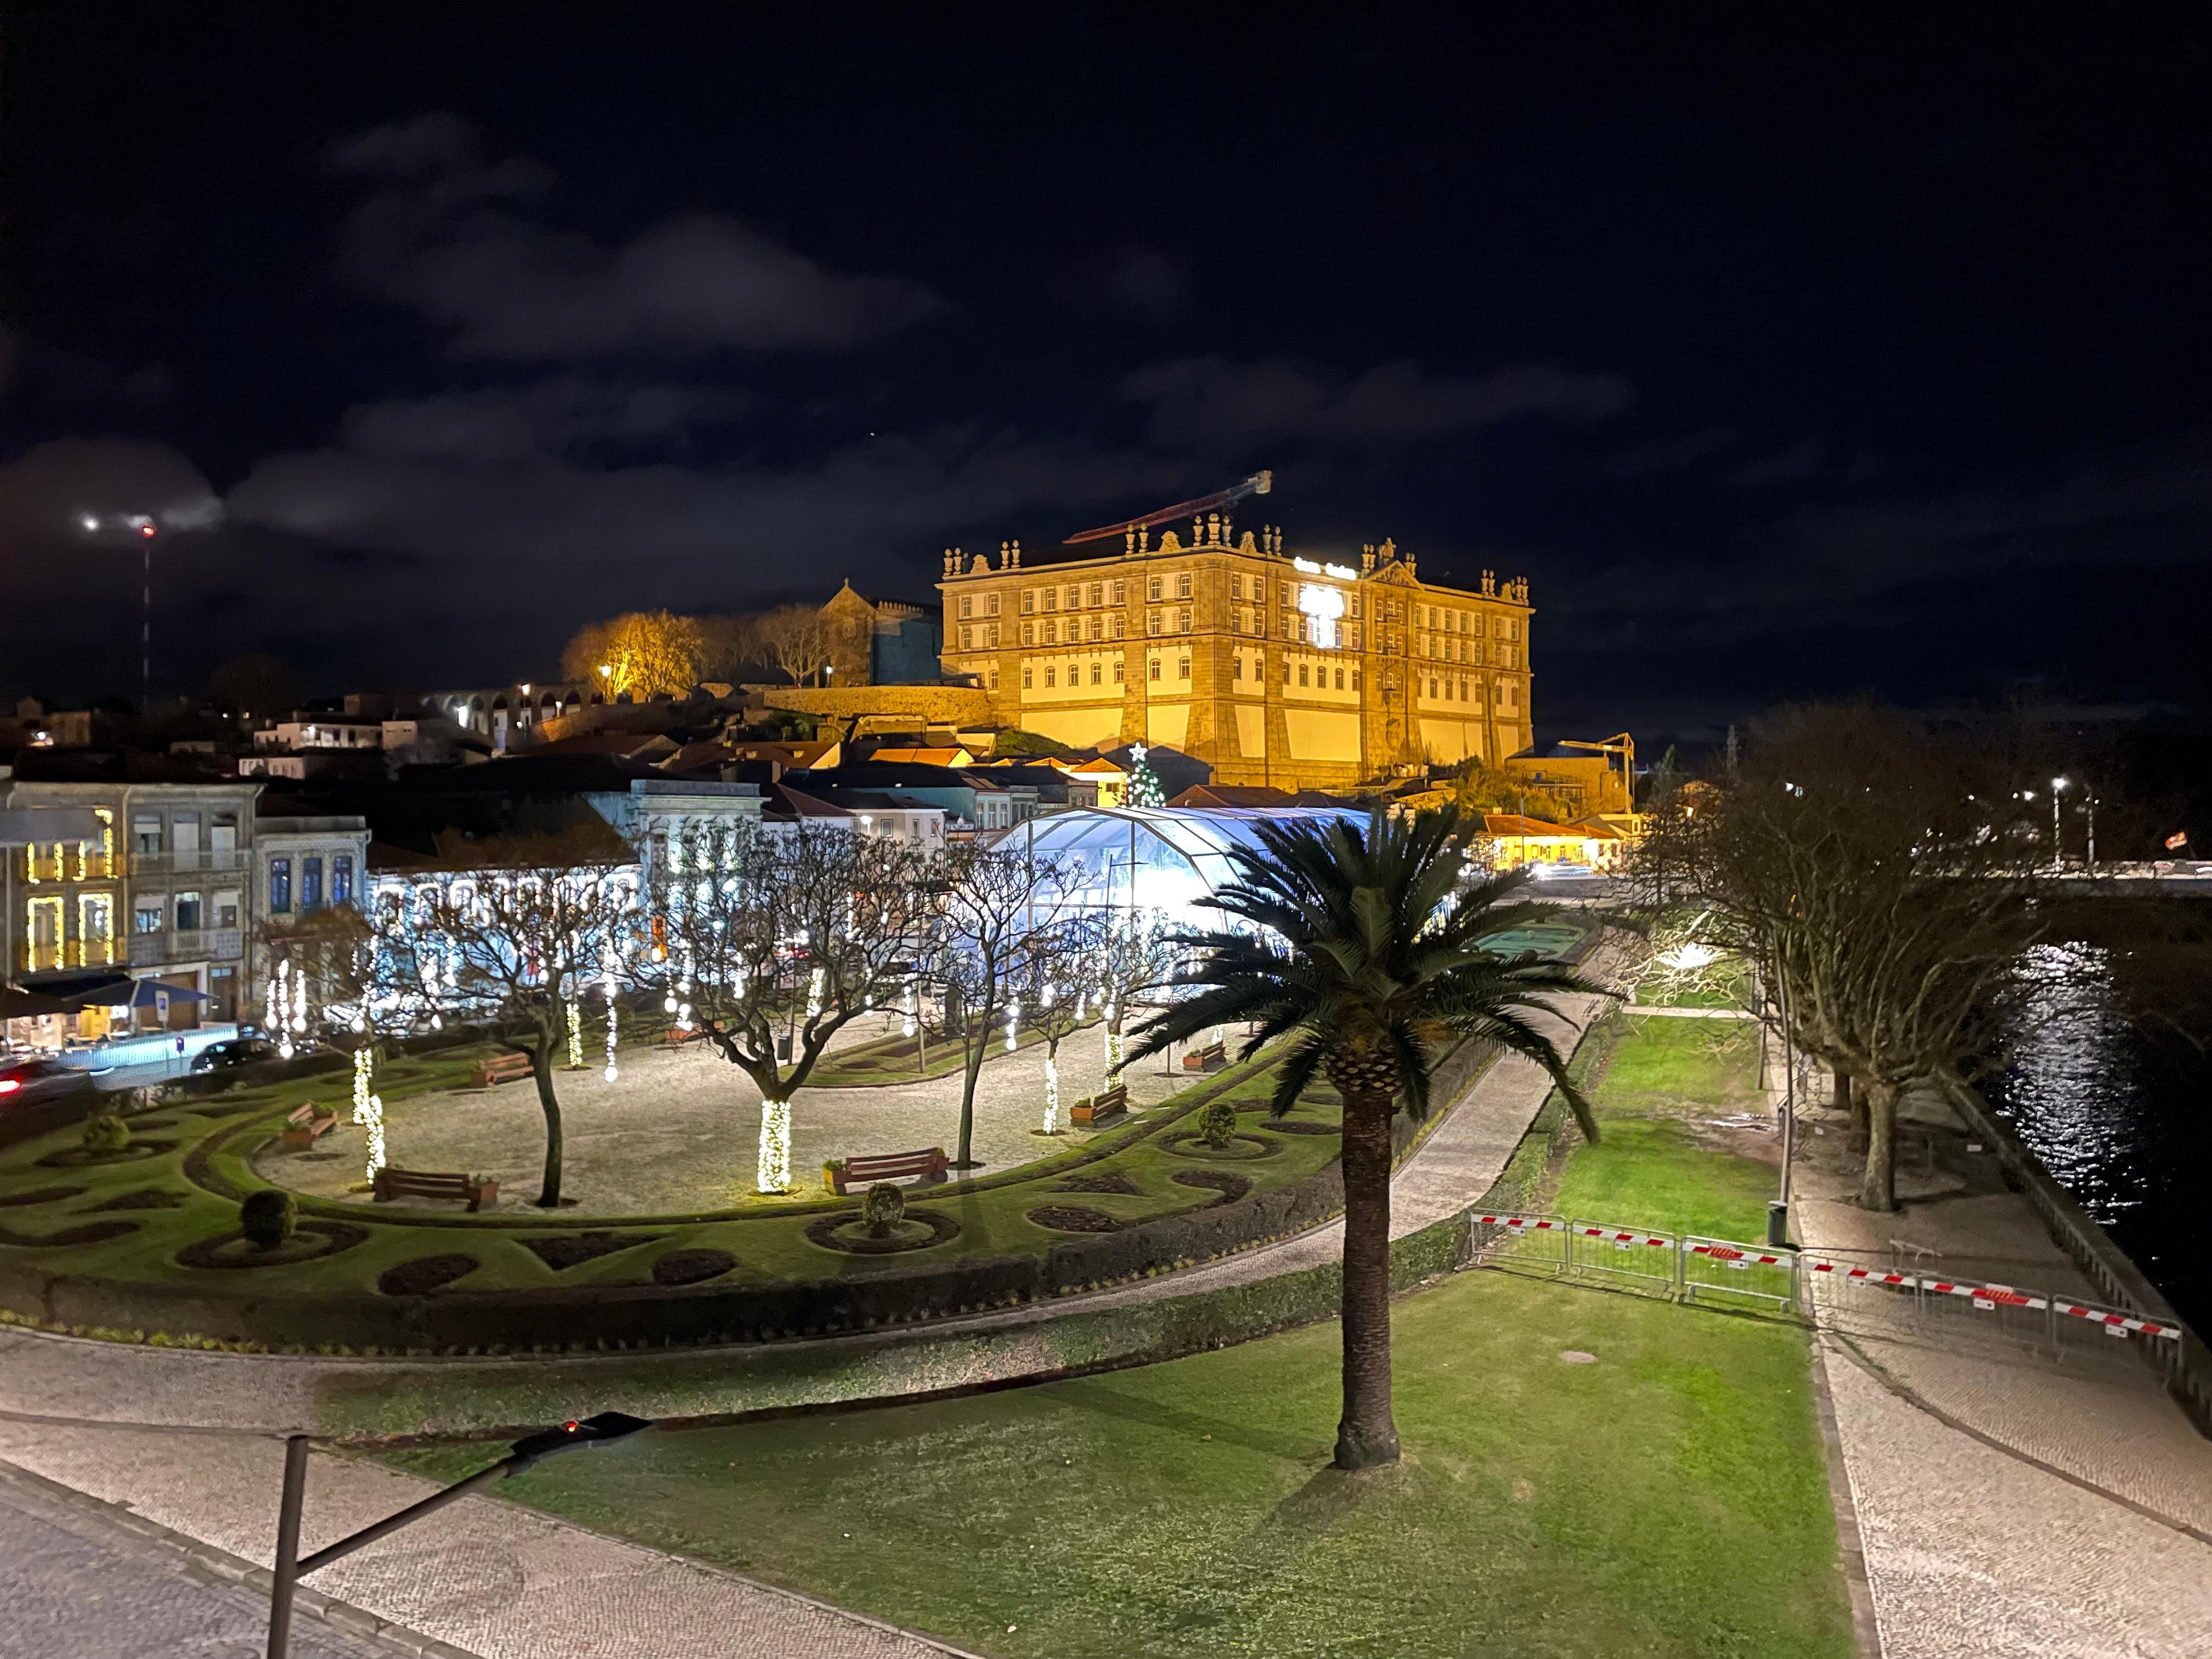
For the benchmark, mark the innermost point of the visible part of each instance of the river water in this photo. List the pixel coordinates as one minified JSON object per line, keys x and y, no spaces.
{"x":2106,"y":1083}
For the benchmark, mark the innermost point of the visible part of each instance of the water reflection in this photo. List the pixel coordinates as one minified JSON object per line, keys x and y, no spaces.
{"x":2113,"y":1112}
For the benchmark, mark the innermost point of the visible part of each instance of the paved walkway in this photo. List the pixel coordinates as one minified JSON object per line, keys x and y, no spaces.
{"x":493,"y":1578}
{"x":2008,"y":1505}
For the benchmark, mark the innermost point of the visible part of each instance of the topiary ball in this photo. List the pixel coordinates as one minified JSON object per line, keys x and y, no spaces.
{"x":883,"y":1209}
{"x":104,"y":1132}
{"x":1217,"y":1124}
{"x":267,"y":1218}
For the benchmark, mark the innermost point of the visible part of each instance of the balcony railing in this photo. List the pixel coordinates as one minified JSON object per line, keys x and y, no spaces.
{"x":66,"y":864}
{"x":184,"y":944}
{"x":76,"y":953}
{"x":176,"y":863}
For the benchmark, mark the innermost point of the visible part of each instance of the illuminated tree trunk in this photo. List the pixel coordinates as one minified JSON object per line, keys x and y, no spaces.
{"x":1052,"y":1087}
{"x":772,"y":1173}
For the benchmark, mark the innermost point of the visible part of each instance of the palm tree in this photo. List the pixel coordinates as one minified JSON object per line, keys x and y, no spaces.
{"x":1357,"y":940}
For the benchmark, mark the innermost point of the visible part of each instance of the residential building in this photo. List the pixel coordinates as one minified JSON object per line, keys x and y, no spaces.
{"x":164,"y":892}
{"x":304,"y":860}
{"x":1508,"y":841}
{"x":1271,"y":667}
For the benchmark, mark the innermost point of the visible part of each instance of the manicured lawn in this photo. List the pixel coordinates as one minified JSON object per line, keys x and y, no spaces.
{"x":1658,"y":1165}
{"x":1668,"y":1499}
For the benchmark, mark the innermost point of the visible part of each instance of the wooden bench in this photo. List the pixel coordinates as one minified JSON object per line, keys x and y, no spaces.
{"x":677,"y":1035}
{"x":306,"y":1126}
{"x":500,"y":1068}
{"x":391,"y":1183}
{"x":854,"y":1172}
{"x":1099,"y":1108}
{"x":1210,"y":1058}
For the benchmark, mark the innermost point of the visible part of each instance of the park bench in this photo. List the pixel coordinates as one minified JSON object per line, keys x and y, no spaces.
{"x":1210,"y":1058}
{"x":1099,"y":1108}
{"x":853,"y":1172}
{"x":475,"y":1192}
{"x":307,"y":1125}
{"x":500,"y":1068}
{"x":678,"y":1035}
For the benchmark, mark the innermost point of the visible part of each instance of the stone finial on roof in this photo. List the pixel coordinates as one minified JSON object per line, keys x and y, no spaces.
{"x":979,"y":566}
{"x":1366,"y":558}
{"x":1247,"y":545}
{"x":1016,"y":547}
{"x":1168,"y":543}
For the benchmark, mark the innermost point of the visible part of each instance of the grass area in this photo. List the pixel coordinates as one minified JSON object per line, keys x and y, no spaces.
{"x":1653,"y":1167}
{"x":1668,"y":1499}
{"x":196,"y":1152}
{"x":1544,"y":1508}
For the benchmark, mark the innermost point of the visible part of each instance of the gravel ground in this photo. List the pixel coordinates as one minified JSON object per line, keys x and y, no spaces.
{"x":678,"y":1128}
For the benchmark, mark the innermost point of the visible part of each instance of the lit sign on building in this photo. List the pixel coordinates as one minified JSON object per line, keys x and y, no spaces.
{"x":1343,"y":573}
{"x":1325,"y":605}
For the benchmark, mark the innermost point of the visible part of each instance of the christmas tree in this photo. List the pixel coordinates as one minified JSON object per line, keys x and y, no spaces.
{"x":1144,"y":782}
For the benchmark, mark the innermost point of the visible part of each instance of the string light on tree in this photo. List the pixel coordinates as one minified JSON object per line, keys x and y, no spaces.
{"x":774,"y":1173}
{"x":608,"y":964}
{"x":575,"y":1035}
{"x":1051,"y":1074}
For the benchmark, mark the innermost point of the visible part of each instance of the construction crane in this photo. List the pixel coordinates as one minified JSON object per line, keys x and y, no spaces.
{"x":1258,"y":484}
{"x":1619,"y":744}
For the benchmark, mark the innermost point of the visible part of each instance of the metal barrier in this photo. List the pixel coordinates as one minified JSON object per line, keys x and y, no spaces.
{"x":1721,"y":1270}
{"x":1727,"y":1273}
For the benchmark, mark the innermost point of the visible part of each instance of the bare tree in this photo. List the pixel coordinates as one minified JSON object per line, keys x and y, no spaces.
{"x":775,"y":938}
{"x":1878,"y":879}
{"x":639,"y":653}
{"x":1060,"y":975}
{"x":1136,"y":953}
{"x":515,"y":931}
{"x":795,"y":638}
{"x":1002,"y":912}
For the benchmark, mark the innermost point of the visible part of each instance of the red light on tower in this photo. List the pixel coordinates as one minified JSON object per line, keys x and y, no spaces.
{"x":145,"y":529}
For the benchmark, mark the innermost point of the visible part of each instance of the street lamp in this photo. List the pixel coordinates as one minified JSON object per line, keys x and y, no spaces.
{"x":2057,"y":787}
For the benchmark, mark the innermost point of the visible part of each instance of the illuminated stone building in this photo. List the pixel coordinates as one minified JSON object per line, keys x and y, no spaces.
{"x":1272,"y":666}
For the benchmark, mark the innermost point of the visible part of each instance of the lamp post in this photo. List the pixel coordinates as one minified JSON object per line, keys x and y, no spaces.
{"x":590,"y":1432}
{"x":2058,"y":861}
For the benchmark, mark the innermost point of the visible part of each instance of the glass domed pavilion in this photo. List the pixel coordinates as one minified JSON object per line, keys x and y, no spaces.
{"x":1155,"y":858}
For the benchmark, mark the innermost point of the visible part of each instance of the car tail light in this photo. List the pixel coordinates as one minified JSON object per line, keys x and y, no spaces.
{"x":9,"y":1084}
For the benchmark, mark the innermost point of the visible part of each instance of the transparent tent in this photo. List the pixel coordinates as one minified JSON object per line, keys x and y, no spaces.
{"x":1154,"y":858}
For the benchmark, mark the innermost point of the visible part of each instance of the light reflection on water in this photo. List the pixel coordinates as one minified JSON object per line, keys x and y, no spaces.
{"x":2117,"y":1124}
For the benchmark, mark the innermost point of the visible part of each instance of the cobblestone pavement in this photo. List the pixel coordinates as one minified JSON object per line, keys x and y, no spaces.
{"x":678,"y":1128}
{"x":2052,"y":1513}
{"x":73,"y":1586}
{"x":499,"y":1580}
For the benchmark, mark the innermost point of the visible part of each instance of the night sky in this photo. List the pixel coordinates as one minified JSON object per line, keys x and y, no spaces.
{"x":1785,"y":359}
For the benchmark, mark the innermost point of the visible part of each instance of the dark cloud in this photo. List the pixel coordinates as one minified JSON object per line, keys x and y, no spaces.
{"x":1142,"y":281}
{"x":443,"y":232}
{"x":1213,"y":402}
{"x":47,"y":495}
{"x":555,"y":417}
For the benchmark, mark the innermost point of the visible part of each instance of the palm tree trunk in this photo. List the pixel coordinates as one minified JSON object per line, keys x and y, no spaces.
{"x":1367,"y":1435}
{"x":541,"y":1071}
{"x":1878,"y":1186}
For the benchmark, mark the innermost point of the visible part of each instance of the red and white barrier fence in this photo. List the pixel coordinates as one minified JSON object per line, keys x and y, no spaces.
{"x":1985,"y":1297}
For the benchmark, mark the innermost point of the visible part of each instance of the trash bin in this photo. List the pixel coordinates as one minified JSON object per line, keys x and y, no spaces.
{"x":1778,"y":1223}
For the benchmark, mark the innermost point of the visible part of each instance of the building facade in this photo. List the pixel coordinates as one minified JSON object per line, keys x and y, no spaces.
{"x":1273,"y":668}
{"x":165,"y":892}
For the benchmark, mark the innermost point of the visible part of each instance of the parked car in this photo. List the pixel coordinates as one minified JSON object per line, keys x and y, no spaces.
{"x":29,"y":1080}
{"x":1563,"y":870}
{"x":236,"y":1051}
